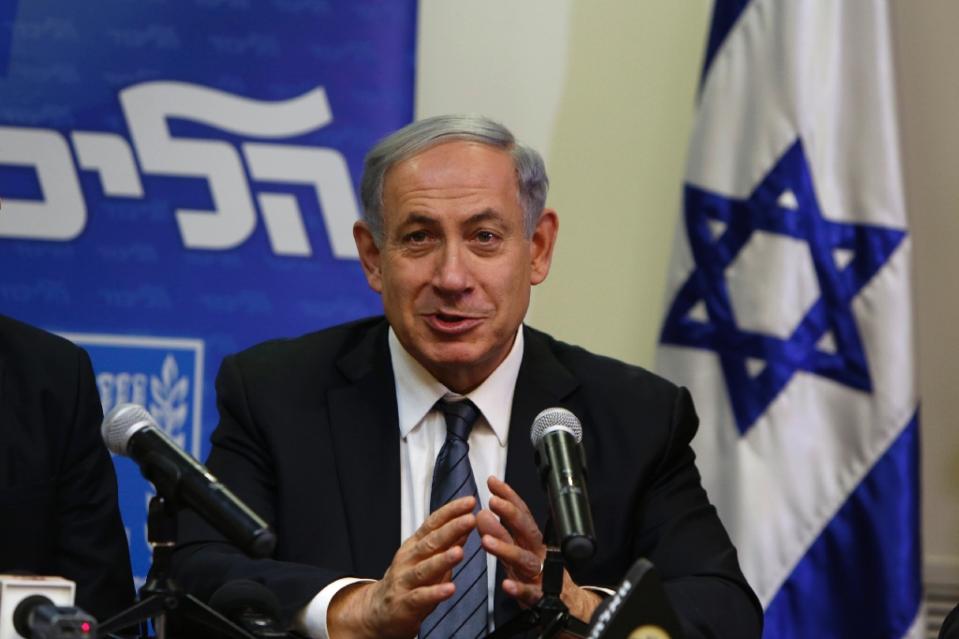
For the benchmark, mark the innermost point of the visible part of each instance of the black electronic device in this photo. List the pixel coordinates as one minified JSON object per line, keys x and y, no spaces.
{"x":37,"y":617}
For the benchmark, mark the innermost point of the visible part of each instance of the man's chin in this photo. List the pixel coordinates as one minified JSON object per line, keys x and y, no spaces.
{"x":455,"y":356}
{"x":458,"y":366}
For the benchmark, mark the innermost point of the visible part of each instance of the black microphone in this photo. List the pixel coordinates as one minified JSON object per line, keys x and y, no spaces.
{"x":638,"y":609}
{"x":36,"y":617}
{"x":131,"y":431}
{"x":250,"y":605}
{"x":556,"y":434}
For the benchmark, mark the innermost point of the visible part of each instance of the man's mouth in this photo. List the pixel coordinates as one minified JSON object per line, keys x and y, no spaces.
{"x":452,"y":323}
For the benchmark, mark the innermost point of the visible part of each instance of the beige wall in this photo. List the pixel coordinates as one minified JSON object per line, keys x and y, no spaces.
{"x":606,"y":89}
{"x":616,"y":160}
{"x":927,"y":52}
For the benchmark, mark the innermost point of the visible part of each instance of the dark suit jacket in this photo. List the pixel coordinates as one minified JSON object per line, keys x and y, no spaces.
{"x":309,"y":438}
{"x":58,"y":490}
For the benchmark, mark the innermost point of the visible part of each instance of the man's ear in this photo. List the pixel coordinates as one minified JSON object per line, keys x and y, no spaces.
{"x":369,"y":254}
{"x":542,"y":244}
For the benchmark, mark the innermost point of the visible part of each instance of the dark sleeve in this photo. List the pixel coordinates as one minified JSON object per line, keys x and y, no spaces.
{"x":680,"y":532}
{"x":91,"y":542}
{"x":240,"y":457}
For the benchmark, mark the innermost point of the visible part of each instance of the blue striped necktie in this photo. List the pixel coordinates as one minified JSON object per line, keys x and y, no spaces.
{"x":464,"y":614}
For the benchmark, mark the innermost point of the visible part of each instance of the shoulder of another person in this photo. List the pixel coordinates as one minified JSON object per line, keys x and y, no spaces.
{"x":290,"y":367}
{"x":30,"y":352}
{"x":20,"y":335}
{"x":332,"y":341}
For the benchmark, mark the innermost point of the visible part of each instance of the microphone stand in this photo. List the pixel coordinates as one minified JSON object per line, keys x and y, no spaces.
{"x":550,"y":615}
{"x":160,"y":596}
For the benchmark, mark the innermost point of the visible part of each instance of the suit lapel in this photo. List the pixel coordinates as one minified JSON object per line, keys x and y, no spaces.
{"x":543,"y":382}
{"x":365,"y":432}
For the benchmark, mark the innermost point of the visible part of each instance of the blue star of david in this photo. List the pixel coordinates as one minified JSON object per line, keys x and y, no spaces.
{"x":871,"y":247}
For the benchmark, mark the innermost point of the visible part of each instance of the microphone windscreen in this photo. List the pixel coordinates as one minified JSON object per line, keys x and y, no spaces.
{"x":555,"y":418}
{"x":121,"y":423}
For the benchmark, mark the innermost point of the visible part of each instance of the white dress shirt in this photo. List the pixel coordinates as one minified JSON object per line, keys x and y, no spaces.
{"x":422,"y":433}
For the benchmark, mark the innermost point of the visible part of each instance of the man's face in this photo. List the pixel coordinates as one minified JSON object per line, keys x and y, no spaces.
{"x":455,"y":266}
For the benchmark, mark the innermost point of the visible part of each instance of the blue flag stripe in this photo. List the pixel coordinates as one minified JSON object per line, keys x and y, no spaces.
{"x":725,"y":14}
{"x":841,"y":571}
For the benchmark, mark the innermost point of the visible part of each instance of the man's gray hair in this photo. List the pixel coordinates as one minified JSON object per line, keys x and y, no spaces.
{"x":531,"y":179}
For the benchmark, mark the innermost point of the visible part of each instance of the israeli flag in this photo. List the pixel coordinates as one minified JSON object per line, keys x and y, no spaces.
{"x":789,"y":315}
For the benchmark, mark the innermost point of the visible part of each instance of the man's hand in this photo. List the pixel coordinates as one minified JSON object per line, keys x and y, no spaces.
{"x":418,"y":579}
{"x":517,"y":542}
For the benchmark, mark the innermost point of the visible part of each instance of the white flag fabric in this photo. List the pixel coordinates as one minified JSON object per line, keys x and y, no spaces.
{"x":789,"y":315}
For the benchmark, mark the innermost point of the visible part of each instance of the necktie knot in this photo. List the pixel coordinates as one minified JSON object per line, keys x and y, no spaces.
{"x":460,"y":416}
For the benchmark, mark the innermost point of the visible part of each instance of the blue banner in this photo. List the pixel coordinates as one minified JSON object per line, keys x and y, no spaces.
{"x":179,"y":181}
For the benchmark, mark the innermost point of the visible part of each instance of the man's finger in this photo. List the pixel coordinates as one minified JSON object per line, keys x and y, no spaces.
{"x":489,"y":524}
{"x":444,"y":537}
{"x":432,"y":570}
{"x":441,"y":516}
{"x":523,"y":563}
{"x":526,"y":594}
{"x":421,"y":601}
{"x":518,"y":521}
{"x":501,"y":489}
{"x":517,"y":514}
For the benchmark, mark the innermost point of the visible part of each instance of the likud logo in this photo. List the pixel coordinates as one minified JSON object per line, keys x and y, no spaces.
{"x":164,"y":375}
{"x":61,"y":212}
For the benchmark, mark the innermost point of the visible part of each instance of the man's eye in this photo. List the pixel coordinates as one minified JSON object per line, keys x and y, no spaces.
{"x":486,"y":236}
{"x":417,"y":237}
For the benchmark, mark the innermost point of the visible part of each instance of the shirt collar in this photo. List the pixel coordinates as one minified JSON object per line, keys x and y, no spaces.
{"x":417,"y":390}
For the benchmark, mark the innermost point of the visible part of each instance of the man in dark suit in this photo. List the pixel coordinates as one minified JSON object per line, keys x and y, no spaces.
{"x":58,"y":489}
{"x":332,"y":437}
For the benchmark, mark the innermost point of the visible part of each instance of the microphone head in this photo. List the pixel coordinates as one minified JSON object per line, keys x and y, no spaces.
{"x":121,"y":423}
{"x":555,"y":418}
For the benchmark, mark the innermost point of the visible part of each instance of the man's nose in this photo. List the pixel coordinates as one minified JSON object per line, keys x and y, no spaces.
{"x":452,"y":274}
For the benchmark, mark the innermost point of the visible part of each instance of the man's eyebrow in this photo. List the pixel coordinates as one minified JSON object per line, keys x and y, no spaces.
{"x":418,"y":218}
{"x":484,"y":216}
